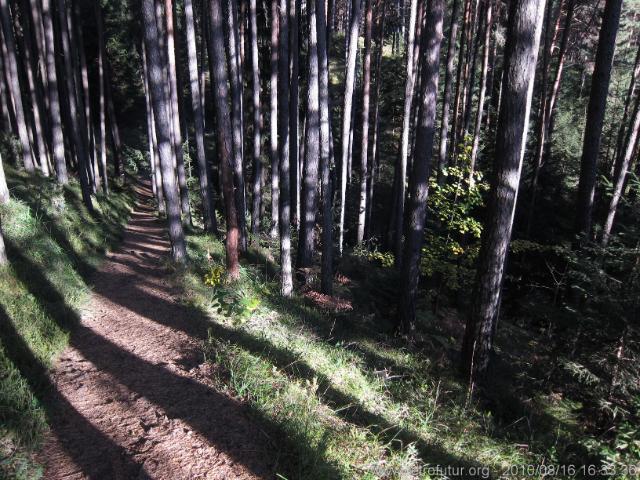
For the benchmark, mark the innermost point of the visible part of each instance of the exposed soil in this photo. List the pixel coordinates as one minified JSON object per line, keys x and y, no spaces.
{"x":132,"y":399}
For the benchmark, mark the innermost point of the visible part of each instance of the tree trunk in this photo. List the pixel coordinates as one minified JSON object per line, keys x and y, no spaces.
{"x":162,"y":117}
{"x":286,"y":279}
{"x":225,"y":135}
{"x":448,"y":88}
{"x":488,"y":22}
{"x":306,"y":243}
{"x":257,"y":121}
{"x":521,"y":51}
{"x":621,"y":173}
{"x":235,"y":75}
{"x":103,"y":104}
{"x":13,"y":83}
{"x":4,"y":190}
{"x":366,"y":101}
{"x":3,"y":252}
{"x":294,"y":109}
{"x":204,"y":171}
{"x":326,"y":160}
{"x":419,"y":182}
{"x":273,"y":119}
{"x":464,"y":43}
{"x":349,"y":86}
{"x":77,"y":127}
{"x":595,"y":117}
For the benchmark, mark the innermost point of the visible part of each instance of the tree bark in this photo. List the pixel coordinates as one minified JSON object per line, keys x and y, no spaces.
{"x":225,"y":135}
{"x":521,"y":50}
{"x":273,"y":119}
{"x":595,"y":117}
{"x":3,"y":252}
{"x":4,"y":190}
{"x":13,"y":83}
{"x":464,"y":43}
{"x":294,"y":109}
{"x":162,"y":117}
{"x":419,"y":182}
{"x":102,"y":101}
{"x":349,"y":86}
{"x":488,"y":22}
{"x":306,"y":242}
{"x":326,"y":160}
{"x":448,"y":88}
{"x":204,"y":170}
{"x":286,"y":278}
{"x":257,"y":121}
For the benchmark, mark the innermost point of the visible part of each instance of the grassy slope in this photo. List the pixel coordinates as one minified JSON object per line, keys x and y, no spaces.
{"x":49,"y":234}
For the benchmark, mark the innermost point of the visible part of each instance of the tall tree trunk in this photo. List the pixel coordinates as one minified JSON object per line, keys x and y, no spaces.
{"x":419,"y":182}
{"x":77,"y":127}
{"x":595,"y":117}
{"x":488,"y":22}
{"x":546,"y":130}
{"x":470,"y":69}
{"x":257,"y":121}
{"x":162,"y":117}
{"x":366,"y":101}
{"x":4,"y":190}
{"x":521,"y":51}
{"x":174,"y":108}
{"x":204,"y":171}
{"x":448,"y":88}
{"x":294,"y":109}
{"x":225,"y":134}
{"x":286,"y":278}
{"x":464,"y":44}
{"x":349,"y":86}
{"x":114,"y":131}
{"x":326,"y":160}
{"x":154,"y":157}
{"x":235,"y":76}
{"x":306,"y":242}
{"x":102,"y":101}
{"x":273,"y":119}
{"x":621,"y":173}
{"x":13,"y":83}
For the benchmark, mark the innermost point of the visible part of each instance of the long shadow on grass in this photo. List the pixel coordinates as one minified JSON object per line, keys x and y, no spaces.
{"x":179,"y":396}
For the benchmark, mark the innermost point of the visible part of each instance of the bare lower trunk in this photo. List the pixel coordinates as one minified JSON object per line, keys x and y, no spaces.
{"x":521,"y":50}
{"x":4,"y":190}
{"x":419,"y":181}
{"x":162,"y":118}
{"x":257,"y":122}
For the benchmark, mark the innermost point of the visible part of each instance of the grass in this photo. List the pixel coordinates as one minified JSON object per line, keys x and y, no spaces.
{"x":46,"y":227}
{"x":349,"y":400}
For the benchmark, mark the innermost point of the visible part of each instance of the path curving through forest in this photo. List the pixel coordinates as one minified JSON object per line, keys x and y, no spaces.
{"x":131,"y":397}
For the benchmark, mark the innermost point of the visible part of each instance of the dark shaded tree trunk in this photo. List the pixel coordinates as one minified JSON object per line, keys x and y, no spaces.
{"x":204,"y":170}
{"x":273,"y":119}
{"x":521,"y":51}
{"x":349,"y":87}
{"x":13,"y":84}
{"x":595,"y":117}
{"x":457,"y":105}
{"x":77,"y":127}
{"x":306,"y":242}
{"x":225,"y":134}
{"x":112,"y":121}
{"x":286,"y":277}
{"x":448,"y":88}
{"x":257,"y":121}
{"x":326,"y":275}
{"x":419,"y":182}
{"x":162,"y":117}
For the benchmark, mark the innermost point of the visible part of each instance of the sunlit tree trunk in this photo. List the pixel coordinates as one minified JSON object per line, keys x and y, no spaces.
{"x":294,"y":109}
{"x":102,"y":100}
{"x":521,"y":51}
{"x":204,"y":171}
{"x":273,"y":119}
{"x":162,"y":119}
{"x":595,"y":117}
{"x":257,"y":121}
{"x":306,"y":243}
{"x":349,"y":87}
{"x":448,"y":88}
{"x":3,"y":252}
{"x":13,"y":83}
{"x":464,"y":44}
{"x":4,"y":189}
{"x":225,"y":134}
{"x":419,"y":181}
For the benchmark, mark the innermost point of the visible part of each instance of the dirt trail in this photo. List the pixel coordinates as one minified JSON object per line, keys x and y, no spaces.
{"x":131,"y":396}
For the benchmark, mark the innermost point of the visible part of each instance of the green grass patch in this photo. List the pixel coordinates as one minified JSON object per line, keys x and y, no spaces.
{"x":49,"y":235}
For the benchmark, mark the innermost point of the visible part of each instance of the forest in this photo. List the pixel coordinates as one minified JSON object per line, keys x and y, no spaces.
{"x":319,"y":239}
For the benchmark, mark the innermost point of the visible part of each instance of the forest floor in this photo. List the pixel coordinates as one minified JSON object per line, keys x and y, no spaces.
{"x":131,"y":396}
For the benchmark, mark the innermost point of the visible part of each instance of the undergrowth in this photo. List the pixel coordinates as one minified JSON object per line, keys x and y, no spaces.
{"x":49,"y":234}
